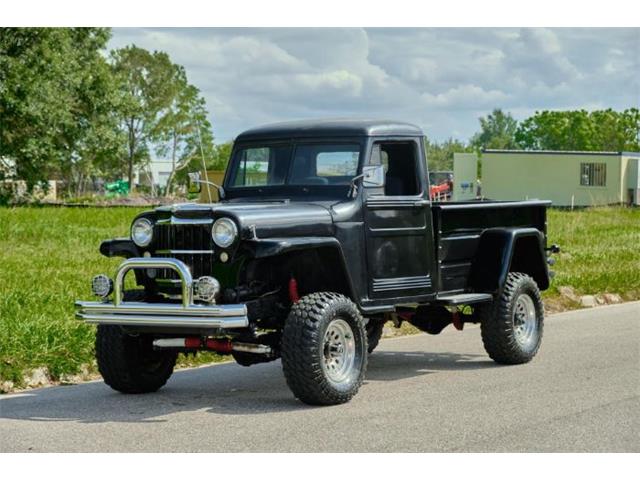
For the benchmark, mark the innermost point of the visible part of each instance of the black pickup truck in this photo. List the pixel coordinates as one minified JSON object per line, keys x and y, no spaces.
{"x":324,"y":231}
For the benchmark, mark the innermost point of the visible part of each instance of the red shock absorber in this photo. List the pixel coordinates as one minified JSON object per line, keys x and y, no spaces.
{"x":193,"y":342}
{"x":219,"y":346}
{"x":294,"y":296}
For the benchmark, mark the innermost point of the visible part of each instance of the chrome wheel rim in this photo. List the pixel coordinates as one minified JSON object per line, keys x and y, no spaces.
{"x":339,"y":351}
{"x":525,"y":322}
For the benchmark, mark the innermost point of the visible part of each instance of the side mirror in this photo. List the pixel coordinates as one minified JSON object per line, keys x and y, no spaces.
{"x":195,"y":184}
{"x":373,"y":176}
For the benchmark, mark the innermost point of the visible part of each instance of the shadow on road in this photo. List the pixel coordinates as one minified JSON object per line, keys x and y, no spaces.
{"x":226,"y":389}
{"x":390,"y":366}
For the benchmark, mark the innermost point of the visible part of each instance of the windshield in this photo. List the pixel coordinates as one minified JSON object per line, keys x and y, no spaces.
{"x":301,"y":164}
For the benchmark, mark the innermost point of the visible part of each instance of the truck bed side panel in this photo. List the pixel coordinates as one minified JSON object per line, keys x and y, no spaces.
{"x":457,"y":230}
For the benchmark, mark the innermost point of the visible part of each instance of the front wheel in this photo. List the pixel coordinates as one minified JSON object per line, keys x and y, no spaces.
{"x":512,"y":326}
{"x":324,"y":349}
{"x":128,"y":363}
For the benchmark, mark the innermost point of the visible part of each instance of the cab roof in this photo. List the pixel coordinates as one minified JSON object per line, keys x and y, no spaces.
{"x":331,"y":128}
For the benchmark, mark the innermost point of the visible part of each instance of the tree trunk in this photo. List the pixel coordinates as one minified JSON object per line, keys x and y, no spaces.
{"x":132,"y":152}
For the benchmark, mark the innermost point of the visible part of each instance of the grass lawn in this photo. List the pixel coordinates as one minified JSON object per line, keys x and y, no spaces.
{"x":600,"y":252}
{"x":48,"y":256}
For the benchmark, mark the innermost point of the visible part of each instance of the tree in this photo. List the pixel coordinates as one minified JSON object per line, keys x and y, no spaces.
{"x":183,"y":130}
{"x":550,"y":130}
{"x":616,"y":131}
{"x":99,"y":141}
{"x":497,"y":130}
{"x":630,"y":124}
{"x":221,"y":156}
{"x":602,"y":130}
{"x":440,"y":155}
{"x":54,"y":100}
{"x":147,"y":85}
{"x":216,"y":158}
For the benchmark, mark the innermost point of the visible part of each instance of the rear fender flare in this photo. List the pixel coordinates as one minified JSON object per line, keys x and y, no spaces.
{"x":502,"y":250}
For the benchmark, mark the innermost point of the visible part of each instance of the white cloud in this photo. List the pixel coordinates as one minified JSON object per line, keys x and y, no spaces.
{"x":442,"y":79}
{"x":466,"y":97}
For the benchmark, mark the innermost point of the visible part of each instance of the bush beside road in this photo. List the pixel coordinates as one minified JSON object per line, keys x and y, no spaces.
{"x":48,"y":256}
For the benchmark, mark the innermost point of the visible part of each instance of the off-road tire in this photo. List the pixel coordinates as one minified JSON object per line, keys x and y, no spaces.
{"x":497,"y":322}
{"x":303,"y":348}
{"x":128,"y":363}
{"x":374,"y":333}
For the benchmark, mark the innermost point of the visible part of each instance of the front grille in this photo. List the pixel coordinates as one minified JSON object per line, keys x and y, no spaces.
{"x":189,"y":243}
{"x":183,"y":237}
{"x":199,"y":264}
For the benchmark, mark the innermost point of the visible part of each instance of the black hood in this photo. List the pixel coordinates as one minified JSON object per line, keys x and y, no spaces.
{"x":270,"y":219}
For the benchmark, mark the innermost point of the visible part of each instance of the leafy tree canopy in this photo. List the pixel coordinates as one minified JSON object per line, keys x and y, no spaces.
{"x":440,"y":155}
{"x":599,"y":130}
{"x":55,"y":101}
{"x":497,"y":130}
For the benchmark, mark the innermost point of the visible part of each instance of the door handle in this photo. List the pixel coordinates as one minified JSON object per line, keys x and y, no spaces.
{"x":421,"y":203}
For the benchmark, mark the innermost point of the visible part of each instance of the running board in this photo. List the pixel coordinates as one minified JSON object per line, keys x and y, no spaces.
{"x":463,"y":299}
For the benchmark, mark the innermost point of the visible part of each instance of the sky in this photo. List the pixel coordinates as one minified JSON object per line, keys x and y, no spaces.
{"x":442,"y":79}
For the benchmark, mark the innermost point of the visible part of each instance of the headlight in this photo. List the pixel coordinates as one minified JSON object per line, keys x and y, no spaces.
{"x":142,"y":232}
{"x":224,"y":232}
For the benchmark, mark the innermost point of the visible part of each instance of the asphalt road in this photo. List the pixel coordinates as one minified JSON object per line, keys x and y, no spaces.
{"x":422,"y":393}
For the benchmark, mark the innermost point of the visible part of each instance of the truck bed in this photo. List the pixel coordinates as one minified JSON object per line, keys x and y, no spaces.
{"x":458,"y":226}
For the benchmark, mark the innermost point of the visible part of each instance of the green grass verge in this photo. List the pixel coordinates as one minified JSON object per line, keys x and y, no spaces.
{"x":48,"y":256}
{"x":600,"y":252}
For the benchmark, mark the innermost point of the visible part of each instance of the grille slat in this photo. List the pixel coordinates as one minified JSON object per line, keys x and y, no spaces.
{"x":185,"y":237}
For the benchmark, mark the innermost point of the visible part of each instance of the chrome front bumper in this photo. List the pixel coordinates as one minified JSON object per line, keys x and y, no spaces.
{"x":142,"y":314}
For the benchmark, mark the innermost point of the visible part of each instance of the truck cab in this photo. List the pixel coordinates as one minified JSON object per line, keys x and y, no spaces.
{"x":324,"y":231}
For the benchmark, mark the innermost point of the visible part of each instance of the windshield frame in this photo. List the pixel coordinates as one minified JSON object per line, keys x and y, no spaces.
{"x":290,"y":189}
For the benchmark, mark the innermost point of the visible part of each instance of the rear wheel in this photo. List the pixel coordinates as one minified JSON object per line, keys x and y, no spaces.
{"x":512,"y":326}
{"x":324,"y":349}
{"x":129,"y":363}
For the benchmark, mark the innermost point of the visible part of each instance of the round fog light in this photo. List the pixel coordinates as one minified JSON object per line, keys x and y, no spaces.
{"x":101,"y":286}
{"x":206,"y":289}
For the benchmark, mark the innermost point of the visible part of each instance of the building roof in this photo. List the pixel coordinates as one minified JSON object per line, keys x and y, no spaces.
{"x":560,"y":152}
{"x":331,"y":128}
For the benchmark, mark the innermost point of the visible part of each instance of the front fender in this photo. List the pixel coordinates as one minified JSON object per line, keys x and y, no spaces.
{"x":269,"y":247}
{"x":120,"y":247}
{"x":272,"y":247}
{"x":503,"y":250}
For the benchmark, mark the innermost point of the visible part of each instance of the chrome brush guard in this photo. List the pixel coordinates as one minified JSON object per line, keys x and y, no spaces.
{"x":187,"y":314}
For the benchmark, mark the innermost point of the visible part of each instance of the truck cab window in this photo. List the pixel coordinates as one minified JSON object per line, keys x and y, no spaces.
{"x":324,"y":164}
{"x":262,"y":166}
{"x":400,"y":161}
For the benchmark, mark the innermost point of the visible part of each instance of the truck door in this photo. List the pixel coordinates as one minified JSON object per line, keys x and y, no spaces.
{"x":398,"y":222}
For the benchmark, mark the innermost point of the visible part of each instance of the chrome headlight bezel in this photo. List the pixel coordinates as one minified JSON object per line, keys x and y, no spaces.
{"x":232,"y":232}
{"x":142,"y":241}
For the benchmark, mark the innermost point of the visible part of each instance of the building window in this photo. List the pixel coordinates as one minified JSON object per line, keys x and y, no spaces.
{"x":593,"y":174}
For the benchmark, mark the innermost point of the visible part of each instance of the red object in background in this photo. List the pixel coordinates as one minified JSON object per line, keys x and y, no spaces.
{"x":442,"y":189}
{"x":294,"y":296}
